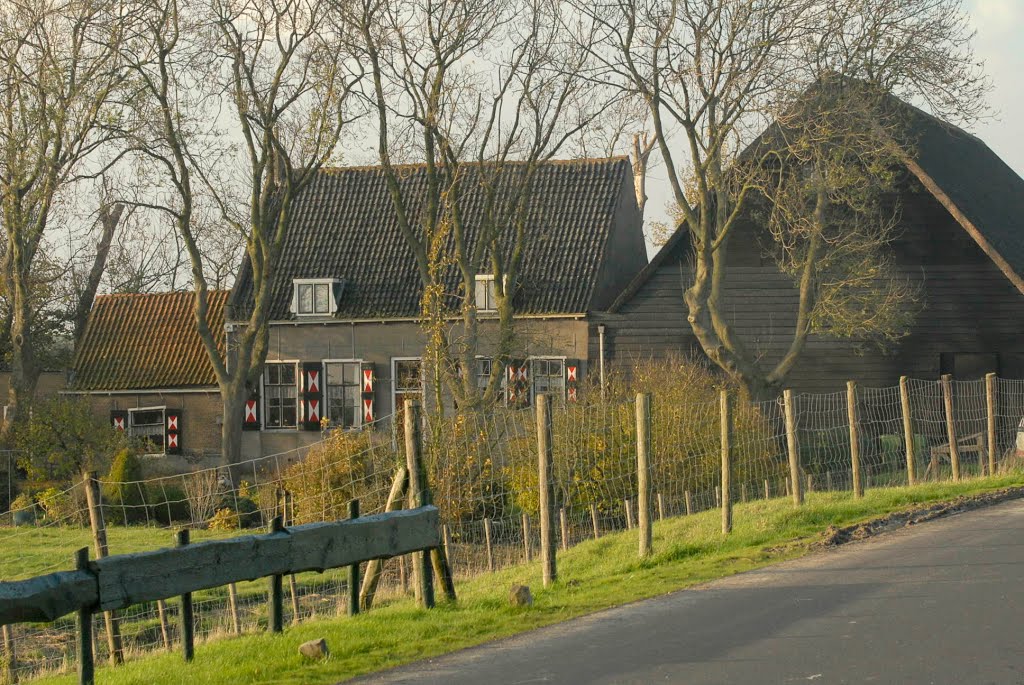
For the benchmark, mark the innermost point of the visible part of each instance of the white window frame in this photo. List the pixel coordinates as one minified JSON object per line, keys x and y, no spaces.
{"x":163,"y":424}
{"x":491,"y":295}
{"x":263,"y":396}
{"x":359,"y":384}
{"x":331,"y":284}
{"x":394,"y":380}
{"x":532,"y":375}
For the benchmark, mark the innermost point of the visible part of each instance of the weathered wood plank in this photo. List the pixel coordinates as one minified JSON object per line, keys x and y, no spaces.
{"x":133,"y":578}
{"x":47,"y":598}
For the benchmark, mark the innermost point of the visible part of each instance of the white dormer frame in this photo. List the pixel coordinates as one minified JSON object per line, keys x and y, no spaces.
{"x":333,"y":286}
{"x":490,"y":293}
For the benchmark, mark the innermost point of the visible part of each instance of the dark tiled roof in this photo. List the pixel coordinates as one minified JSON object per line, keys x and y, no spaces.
{"x":140,"y":342}
{"x":981,"y":191}
{"x":345,"y":227}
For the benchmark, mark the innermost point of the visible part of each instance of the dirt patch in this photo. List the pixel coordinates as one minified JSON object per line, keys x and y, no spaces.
{"x":834,"y":536}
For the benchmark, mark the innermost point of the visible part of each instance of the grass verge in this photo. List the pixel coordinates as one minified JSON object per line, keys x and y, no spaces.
{"x":592,"y":576}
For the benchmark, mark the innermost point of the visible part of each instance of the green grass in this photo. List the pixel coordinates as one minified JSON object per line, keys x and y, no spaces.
{"x":593,"y":575}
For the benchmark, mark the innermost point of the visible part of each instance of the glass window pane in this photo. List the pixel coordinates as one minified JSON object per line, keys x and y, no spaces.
{"x":322,"y":304}
{"x":305,"y":299}
{"x":352,"y":375}
{"x":288,"y":374}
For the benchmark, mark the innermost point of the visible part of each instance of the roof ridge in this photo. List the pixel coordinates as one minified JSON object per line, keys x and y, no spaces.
{"x":581,"y":161}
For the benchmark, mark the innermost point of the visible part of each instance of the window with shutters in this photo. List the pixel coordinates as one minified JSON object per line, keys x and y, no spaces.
{"x":147,"y":425}
{"x":280,"y":394}
{"x":316,"y":296}
{"x":483,"y":372}
{"x":343,"y":397}
{"x":548,"y":375}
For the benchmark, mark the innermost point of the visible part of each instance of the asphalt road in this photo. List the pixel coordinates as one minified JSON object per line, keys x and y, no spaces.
{"x":935,"y":603}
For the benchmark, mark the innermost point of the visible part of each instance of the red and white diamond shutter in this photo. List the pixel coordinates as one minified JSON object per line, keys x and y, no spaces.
{"x":368,"y":380}
{"x":251,"y":411}
{"x":172,"y":431}
{"x":517,"y":383}
{"x":312,"y":395}
{"x":119,"y":419}
{"x":573,"y":376}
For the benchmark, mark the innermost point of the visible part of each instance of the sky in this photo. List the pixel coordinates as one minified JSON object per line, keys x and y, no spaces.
{"x":1000,"y":43}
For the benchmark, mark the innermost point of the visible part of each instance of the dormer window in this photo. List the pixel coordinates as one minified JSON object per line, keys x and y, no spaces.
{"x":486,"y":298}
{"x":316,"y":296}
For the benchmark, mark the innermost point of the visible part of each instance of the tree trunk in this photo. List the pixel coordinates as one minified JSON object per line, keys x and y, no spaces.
{"x":24,"y":373}
{"x":233,"y":396}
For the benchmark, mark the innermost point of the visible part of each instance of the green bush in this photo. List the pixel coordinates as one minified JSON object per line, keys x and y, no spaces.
{"x":244,"y":509}
{"x":61,"y":507}
{"x":169,"y":505}
{"x":123,"y":491}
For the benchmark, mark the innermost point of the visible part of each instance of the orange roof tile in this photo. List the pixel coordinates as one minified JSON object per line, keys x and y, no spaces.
{"x":147,"y":341}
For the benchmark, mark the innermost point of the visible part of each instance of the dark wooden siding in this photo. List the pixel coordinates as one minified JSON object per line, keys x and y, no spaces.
{"x":969,"y":308}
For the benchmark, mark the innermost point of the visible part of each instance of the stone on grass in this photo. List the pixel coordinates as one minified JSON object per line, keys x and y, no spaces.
{"x":315,"y":649}
{"x":520,"y":596}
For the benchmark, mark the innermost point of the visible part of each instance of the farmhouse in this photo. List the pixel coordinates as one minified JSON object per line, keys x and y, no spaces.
{"x":141,"y":364}
{"x":346,"y":344}
{"x":961,"y":239}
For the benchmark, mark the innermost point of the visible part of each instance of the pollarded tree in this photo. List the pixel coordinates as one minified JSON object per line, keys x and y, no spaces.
{"x":715,"y":73}
{"x":274,"y":76}
{"x":60,"y":80}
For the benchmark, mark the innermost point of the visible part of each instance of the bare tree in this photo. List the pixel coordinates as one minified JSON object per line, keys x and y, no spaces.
{"x":714,"y":73}
{"x":482,"y":93}
{"x":276,"y":73}
{"x":59,"y":72}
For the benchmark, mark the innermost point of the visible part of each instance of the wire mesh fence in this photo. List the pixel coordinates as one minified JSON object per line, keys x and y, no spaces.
{"x":482,"y":469}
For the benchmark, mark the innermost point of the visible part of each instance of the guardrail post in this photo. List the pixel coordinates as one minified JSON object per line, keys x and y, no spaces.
{"x":86,"y":665}
{"x":187,"y":617}
{"x":11,"y":661}
{"x":276,"y":619}
{"x":353,"y":570}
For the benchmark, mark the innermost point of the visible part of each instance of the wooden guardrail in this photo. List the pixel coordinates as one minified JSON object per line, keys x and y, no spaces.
{"x":119,"y":581}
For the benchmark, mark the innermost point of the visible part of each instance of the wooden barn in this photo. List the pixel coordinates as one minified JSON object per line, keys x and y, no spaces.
{"x":961,"y":239}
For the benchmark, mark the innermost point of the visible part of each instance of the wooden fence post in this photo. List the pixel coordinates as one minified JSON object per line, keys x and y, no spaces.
{"x":236,"y":623}
{"x":546,"y":492}
{"x":767,"y":489}
{"x":810,"y":482}
{"x":726,"y":409}
{"x":487,"y":542}
{"x":11,"y":657}
{"x":353,"y":570}
{"x":99,"y":534}
{"x":276,"y":619}
{"x":718,"y":496}
{"x":743,"y":492}
{"x":446,"y":536}
{"x":187,"y":617}
{"x":86,"y":665}
{"x":627,"y":505}
{"x":643,"y":471}
{"x":165,"y":632}
{"x":661,"y":507}
{"x":908,"y":431}
{"x":792,"y":447}
{"x":990,"y":413}
{"x":527,"y":552}
{"x":851,"y":414}
{"x":564,"y":523}
{"x":375,"y":567}
{"x":688,"y":501}
{"x":594,"y":520}
{"x":418,"y":497}
{"x":947,"y":401}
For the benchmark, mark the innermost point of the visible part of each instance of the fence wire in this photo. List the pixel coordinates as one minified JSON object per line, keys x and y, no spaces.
{"x":483,"y":473}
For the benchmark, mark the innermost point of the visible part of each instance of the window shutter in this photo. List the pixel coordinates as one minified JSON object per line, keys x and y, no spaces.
{"x":572,"y":379}
{"x":172,"y":431}
{"x":251,"y":411}
{"x":517,"y":383}
{"x":119,"y":419}
{"x":368,"y":379}
{"x":312,"y":395}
